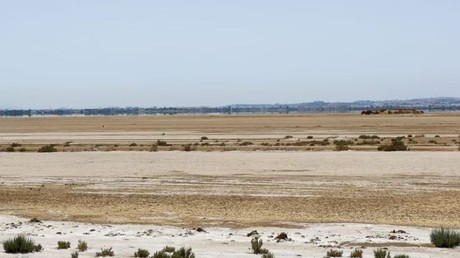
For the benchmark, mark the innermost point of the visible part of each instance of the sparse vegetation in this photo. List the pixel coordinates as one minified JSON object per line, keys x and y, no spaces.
{"x":433,"y":142}
{"x":63,"y":245}
{"x":357,"y":253}
{"x":246,"y":143}
{"x":334,"y":253}
{"x":47,"y":148}
{"x":133,"y":144}
{"x":363,"y":136}
{"x":105,"y":252}
{"x":381,"y":253}
{"x":189,"y":147}
{"x":142,"y":253}
{"x":309,"y":137}
{"x":82,"y":246}
{"x":183,"y":253}
{"x":162,"y":143}
{"x":22,"y":149}
{"x":74,"y":255}
{"x":14,"y":145}
{"x":161,"y":254}
{"x":397,"y":144}
{"x":9,"y":149}
{"x":268,"y":255}
{"x":169,"y":249}
{"x":401,"y":256}
{"x":256,"y":245}
{"x":203,"y":138}
{"x":21,"y":244}
{"x":445,"y":238}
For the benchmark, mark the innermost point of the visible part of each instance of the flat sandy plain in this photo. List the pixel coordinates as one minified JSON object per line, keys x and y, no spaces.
{"x":224,"y":189}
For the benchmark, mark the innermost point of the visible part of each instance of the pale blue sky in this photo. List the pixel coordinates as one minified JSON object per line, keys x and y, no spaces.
{"x":90,"y":53}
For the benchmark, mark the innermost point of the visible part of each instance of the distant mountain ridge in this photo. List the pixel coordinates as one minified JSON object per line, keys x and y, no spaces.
{"x":424,"y":104}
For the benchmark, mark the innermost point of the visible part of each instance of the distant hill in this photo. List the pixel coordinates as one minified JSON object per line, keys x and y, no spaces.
{"x":424,"y":104}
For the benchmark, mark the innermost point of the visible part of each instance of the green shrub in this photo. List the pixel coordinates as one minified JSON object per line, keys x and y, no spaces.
{"x":357,"y":253}
{"x":401,"y":256}
{"x":142,"y":253}
{"x":47,"y":148}
{"x":397,"y":144}
{"x":169,"y":249}
{"x":63,"y":245}
{"x":334,"y":253}
{"x":161,"y":254}
{"x":256,"y":245}
{"x":105,"y":252}
{"x":162,"y":143}
{"x":74,"y":255}
{"x":445,"y":238}
{"x":183,"y":253}
{"x":82,"y":246}
{"x":381,"y":253}
{"x":268,"y":255}
{"x":21,"y":244}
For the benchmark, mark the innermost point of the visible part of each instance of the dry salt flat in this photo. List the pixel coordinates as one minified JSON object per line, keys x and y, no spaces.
{"x":304,"y":240}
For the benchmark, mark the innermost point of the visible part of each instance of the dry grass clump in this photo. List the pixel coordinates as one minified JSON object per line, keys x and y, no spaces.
{"x":357,"y":253}
{"x":82,"y":246}
{"x":445,"y":238}
{"x":334,"y":253}
{"x":105,"y":252}
{"x":142,"y":253}
{"x":63,"y":245}
{"x":381,"y":253}
{"x":47,"y":148}
{"x":21,"y":244}
{"x":256,"y":245}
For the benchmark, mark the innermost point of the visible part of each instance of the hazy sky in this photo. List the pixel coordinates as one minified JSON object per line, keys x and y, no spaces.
{"x":181,"y":53}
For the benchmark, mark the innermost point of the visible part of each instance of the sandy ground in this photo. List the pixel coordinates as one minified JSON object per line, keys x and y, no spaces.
{"x":306,"y":240}
{"x":234,"y":189}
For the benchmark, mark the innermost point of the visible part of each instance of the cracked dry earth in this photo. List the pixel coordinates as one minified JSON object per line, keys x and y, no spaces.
{"x":234,"y":189}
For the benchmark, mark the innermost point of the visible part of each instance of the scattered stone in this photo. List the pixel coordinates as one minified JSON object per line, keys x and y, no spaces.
{"x":200,"y":230}
{"x":282,"y":236}
{"x":58,"y":233}
{"x":393,"y":237}
{"x":35,"y":220}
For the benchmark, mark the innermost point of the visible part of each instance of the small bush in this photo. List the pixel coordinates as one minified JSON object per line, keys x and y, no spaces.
{"x":288,"y":137}
{"x":256,"y":245}
{"x":15,"y":145}
{"x":105,"y":252}
{"x":189,"y":147}
{"x":401,"y":256}
{"x":154,"y":148}
{"x":433,"y":142}
{"x":169,"y":249}
{"x":162,"y":143}
{"x":268,"y":255}
{"x":396,"y":145}
{"x":63,"y":245}
{"x":133,"y":144}
{"x":21,"y":244}
{"x":363,"y":136}
{"x":339,"y":147}
{"x":381,"y":253}
{"x":246,"y":143}
{"x":334,"y":253}
{"x":9,"y":149}
{"x":22,"y":149}
{"x":309,"y":137}
{"x":203,"y":138}
{"x":445,"y":238}
{"x":161,"y":254}
{"x":82,"y":246}
{"x":74,"y":255}
{"x":47,"y":148}
{"x":357,"y":253}
{"x":142,"y":253}
{"x":183,"y":253}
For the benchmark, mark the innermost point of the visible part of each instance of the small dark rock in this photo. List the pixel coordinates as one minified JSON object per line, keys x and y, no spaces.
{"x":282,"y":236}
{"x":393,"y":237}
{"x":200,"y":230}
{"x":35,"y":220}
